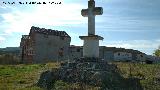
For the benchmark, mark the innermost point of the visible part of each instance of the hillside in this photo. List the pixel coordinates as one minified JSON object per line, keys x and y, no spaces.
{"x":148,"y":74}
{"x":24,"y":77}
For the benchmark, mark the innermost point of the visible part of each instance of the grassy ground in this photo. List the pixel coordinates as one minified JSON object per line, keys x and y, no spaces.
{"x":24,"y":77}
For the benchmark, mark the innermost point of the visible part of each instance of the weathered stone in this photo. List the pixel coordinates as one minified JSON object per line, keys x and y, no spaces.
{"x":47,"y":79}
{"x":89,"y":71}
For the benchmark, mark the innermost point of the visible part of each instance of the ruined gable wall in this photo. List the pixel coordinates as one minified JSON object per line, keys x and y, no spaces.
{"x":47,"y":47}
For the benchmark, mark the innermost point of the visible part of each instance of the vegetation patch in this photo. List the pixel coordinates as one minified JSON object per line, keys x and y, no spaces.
{"x":22,"y":77}
{"x":25,"y":77}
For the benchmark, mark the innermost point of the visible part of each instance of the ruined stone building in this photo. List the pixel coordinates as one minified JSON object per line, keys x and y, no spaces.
{"x":44,"y":45}
{"x":111,"y":53}
{"x":75,"y":52}
{"x":121,"y":54}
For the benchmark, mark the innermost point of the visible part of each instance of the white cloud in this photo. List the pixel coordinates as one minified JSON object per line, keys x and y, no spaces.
{"x":146,"y":46}
{"x":16,"y":20}
{"x":53,"y":15}
{"x":1,"y":39}
{"x":2,"y":7}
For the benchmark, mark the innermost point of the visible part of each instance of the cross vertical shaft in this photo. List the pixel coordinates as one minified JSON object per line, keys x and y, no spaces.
{"x":91,"y":18}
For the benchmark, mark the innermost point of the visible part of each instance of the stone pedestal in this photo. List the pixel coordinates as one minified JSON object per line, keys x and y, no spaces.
{"x":91,"y":45}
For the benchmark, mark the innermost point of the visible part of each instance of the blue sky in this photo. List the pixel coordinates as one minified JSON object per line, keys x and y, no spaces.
{"x":132,"y":24}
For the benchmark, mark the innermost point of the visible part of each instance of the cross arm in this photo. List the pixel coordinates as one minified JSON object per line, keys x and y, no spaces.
{"x":84,"y":12}
{"x":98,"y":11}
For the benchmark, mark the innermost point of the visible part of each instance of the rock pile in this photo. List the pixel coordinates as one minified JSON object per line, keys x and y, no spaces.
{"x":91,"y":71}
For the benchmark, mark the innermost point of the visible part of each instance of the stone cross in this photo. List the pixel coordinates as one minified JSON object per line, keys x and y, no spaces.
{"x":91,"y":42}
{"x":90,"y":13}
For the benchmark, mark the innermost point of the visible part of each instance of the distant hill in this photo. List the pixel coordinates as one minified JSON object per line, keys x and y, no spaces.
{"x":10,"y":50}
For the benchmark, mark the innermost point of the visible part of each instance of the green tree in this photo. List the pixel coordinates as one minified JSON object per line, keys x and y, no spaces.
{"x":157,"y":52}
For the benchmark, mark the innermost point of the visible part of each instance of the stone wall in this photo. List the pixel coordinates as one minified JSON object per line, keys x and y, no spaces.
{"x":122,"y":56}
{"x":75,"y":52}
{"x":50,"y":48}
{"x":111,"y":54}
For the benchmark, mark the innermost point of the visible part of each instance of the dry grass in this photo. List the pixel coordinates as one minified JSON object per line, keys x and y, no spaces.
{"x":149,"y":74}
